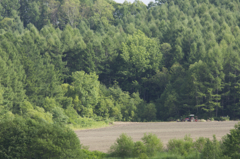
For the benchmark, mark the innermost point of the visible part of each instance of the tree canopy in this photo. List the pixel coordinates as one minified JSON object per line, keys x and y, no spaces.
{"x":66,"y":60}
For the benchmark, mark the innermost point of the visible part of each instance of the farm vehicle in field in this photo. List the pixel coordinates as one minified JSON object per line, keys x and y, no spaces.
{"x":190,"y":118}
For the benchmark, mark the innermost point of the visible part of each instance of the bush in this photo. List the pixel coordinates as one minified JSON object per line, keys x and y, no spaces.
{"x":211,"y":149}
{"x":152,"y":143}
{"x":193,"y":155}
{"x":166,"y":155}
{"x":93,"y":154}
{"x":59,"y":116}
{"x":224,"y":118}
{"x":181,"y":146}
{"x":200,"y":143}
{"x":123,"y":147}
{"x":143,"y":156}
{"x":139,"y":149}
{"x":29,"y":138}
{"x":231,"y":143}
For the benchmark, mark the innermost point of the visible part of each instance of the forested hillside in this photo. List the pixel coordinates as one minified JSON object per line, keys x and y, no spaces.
{"x":72,"y":61}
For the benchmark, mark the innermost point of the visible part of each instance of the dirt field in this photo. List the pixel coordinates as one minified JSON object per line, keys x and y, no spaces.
{"x":101,"y":139}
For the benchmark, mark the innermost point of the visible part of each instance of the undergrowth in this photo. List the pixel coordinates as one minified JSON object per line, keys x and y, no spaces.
{"x":89,"y":123}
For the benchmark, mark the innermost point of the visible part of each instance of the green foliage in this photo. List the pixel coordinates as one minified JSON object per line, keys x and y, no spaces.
{"x":123,"y":147}
{"x":84,"y":123}
{"x":167,"y":155}
{"x":150,"y":111}
{"x":67,"y":60}
{"x":27,"y":138}
{"x":102,"y":12}
{"x":211,"y":149}
{"x":139,"y":149}
{"x":85,"y":63}
{"x":85,"y":92}
{"x":152,"y":143}
{"x":142,"y":156}
{"x":227,"y":118}
{"x":181,"y":146}
{"x":93,"y":154}
{"x":125,"y":103}
{"x":231,"y":142}
{"x":38,"y":113}
{"x":199,"y":144}
{"x":59,"y":115}
{"x":140,"y":58}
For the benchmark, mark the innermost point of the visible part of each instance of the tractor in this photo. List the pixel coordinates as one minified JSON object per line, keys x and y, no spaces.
{"x":191,"y":118}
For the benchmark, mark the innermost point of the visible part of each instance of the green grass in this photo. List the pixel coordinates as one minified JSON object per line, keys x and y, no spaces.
{"x":88,"y":123}
{"x":93,"y":125}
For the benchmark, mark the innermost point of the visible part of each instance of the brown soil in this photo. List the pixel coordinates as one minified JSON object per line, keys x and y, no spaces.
{"x":101,"y":139}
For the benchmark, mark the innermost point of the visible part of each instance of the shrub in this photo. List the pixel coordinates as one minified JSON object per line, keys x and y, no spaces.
{"x":167,"y":155}
{"x":29,"y":138}
{"x":152,"y":143}
{"x":180,"y":146}
{"x":123,"y":147}
{"x":93,"y":154}
{"x":143,"y":156}
{"x":139,"y":148}
{"x":211,"y":149}
{"x":59,"y":116}
{"x":200,"y":143}
{"x":231,"y":143}
{"x":225,"y":118}
{"x":193,"y":155}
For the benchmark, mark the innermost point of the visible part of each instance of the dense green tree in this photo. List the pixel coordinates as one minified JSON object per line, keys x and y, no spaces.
{"x":42,"y":79}
{"x":9,"y":8}
{"x":84,"y":91}
{"x":216,"y":78}
{"x":102,"y":12}
{"x":140,"y":58}
{"x":29,"y":11}
{"x":54,"y":48}
{"x":12,"y":74}
{"x":70,"y":9}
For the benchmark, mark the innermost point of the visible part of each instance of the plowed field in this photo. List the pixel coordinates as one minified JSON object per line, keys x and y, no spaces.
{"x":101,"y":139}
